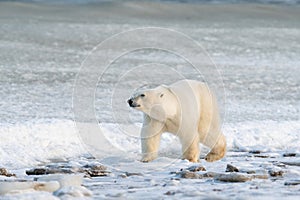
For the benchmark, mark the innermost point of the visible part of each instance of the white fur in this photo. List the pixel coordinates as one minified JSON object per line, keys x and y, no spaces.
{"x":187,"y":109}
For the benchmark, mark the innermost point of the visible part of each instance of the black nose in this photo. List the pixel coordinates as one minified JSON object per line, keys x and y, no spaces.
{"x":130,"y":102}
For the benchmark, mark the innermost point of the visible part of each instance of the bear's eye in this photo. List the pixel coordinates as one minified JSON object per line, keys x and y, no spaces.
{"x":143,"y":95}
{"x":161,"y":95}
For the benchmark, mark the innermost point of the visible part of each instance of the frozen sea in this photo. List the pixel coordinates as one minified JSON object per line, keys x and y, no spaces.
{"x":46,"y":47}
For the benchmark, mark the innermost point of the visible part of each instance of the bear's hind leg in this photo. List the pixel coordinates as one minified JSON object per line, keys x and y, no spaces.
{"x":218,"y":151}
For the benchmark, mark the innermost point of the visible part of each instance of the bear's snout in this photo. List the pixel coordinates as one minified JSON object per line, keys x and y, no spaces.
{"x":132,"y":103}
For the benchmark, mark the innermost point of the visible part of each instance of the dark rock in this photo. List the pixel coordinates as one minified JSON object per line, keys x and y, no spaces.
{"x":289,"y":154}
{"x":170,"y":193}
{"x":96,"y":167}
{"x":44,"y":171}
{"x":95,"y":173}
{"x":133,"y":174}
{"x":255,"y":151}
{"x":196,"y":168}
{"x":5,"y":172}
{"x":233,"y":177}
{"x":260,"y":176}
{"x":92,"y":170}
{"x":231,"y":168}
{"x":292,"y":163}
{"x":37,"y":171}
{"x":262,"y":156}
{"x":90,"y":157}
{"x":210,"y":174}
{"x":292,"y":182}
{"x":190,"y":175}
{"x":275,"y":173}
{"x":194,"y":175}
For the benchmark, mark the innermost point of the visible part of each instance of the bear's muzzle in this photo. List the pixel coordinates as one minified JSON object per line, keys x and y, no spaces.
{"x":132,"y":103}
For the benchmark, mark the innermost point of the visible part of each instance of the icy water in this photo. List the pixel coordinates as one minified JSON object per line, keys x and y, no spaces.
{"x":256,"y":48}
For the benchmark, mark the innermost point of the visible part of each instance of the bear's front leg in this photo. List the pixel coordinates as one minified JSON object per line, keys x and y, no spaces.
{"x":150,"y":138}
{"x":190,"y":149}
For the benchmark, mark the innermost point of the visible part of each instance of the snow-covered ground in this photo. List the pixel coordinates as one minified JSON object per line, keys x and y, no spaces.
{"x":256,"y":48}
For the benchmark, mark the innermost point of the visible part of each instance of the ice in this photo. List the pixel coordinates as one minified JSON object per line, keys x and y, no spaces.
{"x":31,"y":144}
{"x":13,"y":187}
{"x":263,"y":136}
{"x":73,"y":192}
{"x":64,"y":180}
{"x":30,"y":195}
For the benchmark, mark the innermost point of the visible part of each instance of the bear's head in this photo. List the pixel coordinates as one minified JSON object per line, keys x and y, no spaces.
{"x":159,"y":103}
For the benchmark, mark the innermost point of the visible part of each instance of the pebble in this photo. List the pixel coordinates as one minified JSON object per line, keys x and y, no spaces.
{"x":190,"y":175}
{"x":44,"y":171}
{"x":275,"y":173}
{"x":292,"y":163}
{"x":289,"y":154}
{"x":231,"y":168}
{"x":5,"y":172}
{"x":292,"y":182}
{"x":133,"y":174}
{"x":255,"y":151}
{"x":232,"y":177}
{"x":196,"y":168}
{"x":88,"y":170}
{"x":169,"y":193}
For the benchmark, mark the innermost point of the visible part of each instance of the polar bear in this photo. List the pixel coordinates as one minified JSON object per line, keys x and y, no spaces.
{"x":187,"y":109}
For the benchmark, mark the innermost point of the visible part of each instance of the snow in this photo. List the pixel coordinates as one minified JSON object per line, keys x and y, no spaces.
{"x":32,"y":144}
{"x":65,"y":144}
{"x":256,"y":49}
{"x":266,"y":136}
